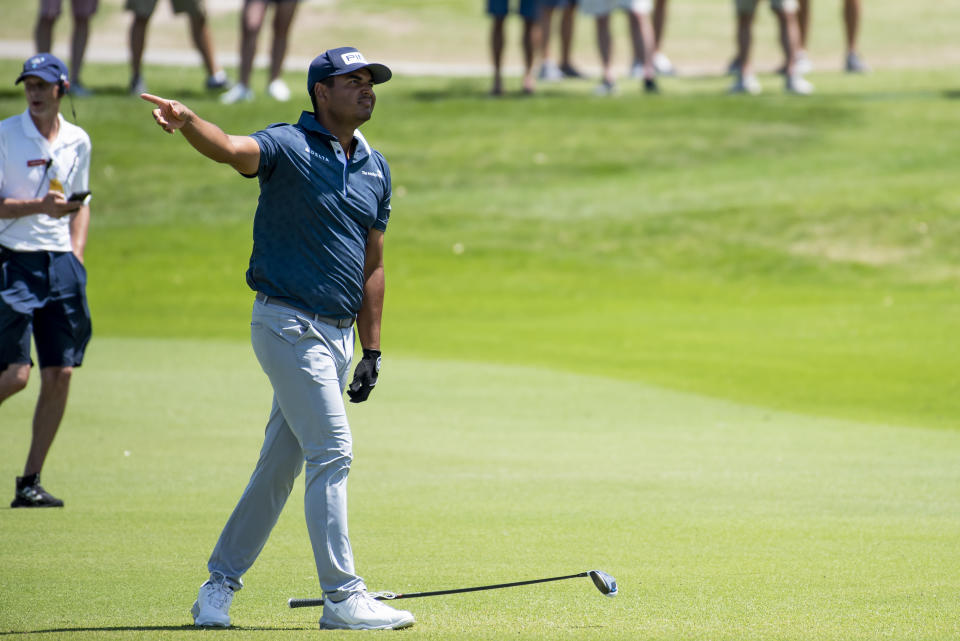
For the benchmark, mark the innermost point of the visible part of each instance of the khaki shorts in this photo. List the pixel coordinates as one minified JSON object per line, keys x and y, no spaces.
{"x":144,"y":8}
{"x":749,"y":6}
{"x":81,"y":8}
{"x":605,"y":7}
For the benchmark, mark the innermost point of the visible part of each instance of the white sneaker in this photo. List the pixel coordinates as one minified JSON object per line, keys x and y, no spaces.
{"x":237,"y":93}
{"x":279,"y":90}
{"x":802,"y":63}
{"x":663,"y":65}
{"x":550,"y":71}
{"x":606,"y":88}
{"x":212,"y":607}
{"x":799,"y":85}
{"x":746,"y":84}
{"x":360,"y":611}
{"x":854,"y":64}
{"x":636,"y":70}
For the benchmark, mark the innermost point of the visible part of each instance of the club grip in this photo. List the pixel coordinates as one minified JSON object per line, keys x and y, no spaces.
{"x":304,"y":603}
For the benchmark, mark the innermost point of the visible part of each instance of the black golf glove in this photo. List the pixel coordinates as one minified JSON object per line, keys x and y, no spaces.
{"x":365,"y":376}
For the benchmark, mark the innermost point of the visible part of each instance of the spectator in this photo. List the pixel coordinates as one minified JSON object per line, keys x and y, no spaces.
{"x":82,"y":10}
{"x":853,"y":63}
{"x":786,"y":12}
{"x":529,"y":10}
{"x":641,"y":36}
{"x":550,"y":70}
{"x":254,"y":12}
{"x":42,"y":240}
{"x":199,"y":31}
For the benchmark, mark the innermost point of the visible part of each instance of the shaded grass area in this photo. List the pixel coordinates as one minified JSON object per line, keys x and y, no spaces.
{"x":720,"y":521}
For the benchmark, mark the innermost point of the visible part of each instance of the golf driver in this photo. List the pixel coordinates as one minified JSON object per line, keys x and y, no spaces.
{"x":604,"y":582}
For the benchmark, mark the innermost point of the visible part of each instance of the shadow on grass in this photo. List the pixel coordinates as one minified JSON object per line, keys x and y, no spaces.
{"x":149,"y":628}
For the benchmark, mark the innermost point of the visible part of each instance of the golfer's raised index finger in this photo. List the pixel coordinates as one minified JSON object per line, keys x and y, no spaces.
{"x":157,"y":100}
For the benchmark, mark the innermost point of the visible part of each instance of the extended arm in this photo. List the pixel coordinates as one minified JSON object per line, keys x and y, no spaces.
{"x":240,"y":152}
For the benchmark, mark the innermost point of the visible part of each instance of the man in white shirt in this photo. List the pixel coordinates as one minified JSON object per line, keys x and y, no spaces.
{"x":44,"y":215}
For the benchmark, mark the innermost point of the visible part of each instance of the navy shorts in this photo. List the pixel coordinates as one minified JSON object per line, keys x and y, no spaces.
{"x":44,"y":294}
{"x":529,"y":9}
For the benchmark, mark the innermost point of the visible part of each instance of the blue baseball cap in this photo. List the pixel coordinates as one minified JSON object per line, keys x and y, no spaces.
{"x":336,"y":62}
{"x":46,"y":66}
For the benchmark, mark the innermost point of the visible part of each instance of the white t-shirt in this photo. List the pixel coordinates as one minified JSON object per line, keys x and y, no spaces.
{"x":25,"y":173}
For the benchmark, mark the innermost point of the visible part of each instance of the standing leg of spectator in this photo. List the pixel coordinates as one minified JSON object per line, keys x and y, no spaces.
{"x":661,"y":62}
{"x":789,"y":37}
{"x":531,"y":32}
{"x":78,"y":48}
{"x":54,"y":387}
{"x":496,"y":50}
{"x":283,"y":15}
{"x":801,"y":61}
{"x":200,"y":33}
{"x":851,"y":21}
{"x":138,"y":40}
{"x":549,"y":69}
{"x":642,"y":38}
{"x":608,"y":83}
{"x":251,"y":20}
{"x":742,"y":67}
{"x":803,"y":22}
{"x":567,"y":24}
{"x":46,"y":18}
{"x":789,"y":42}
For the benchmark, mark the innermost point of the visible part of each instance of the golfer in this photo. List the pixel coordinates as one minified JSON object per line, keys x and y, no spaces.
{"x":316,"y":268}
{"x":44,"y":215}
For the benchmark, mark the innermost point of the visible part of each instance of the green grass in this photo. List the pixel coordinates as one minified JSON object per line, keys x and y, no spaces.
{"x":720,"y":521}
{"x":797,"y":254}
{"x":703,"y":343}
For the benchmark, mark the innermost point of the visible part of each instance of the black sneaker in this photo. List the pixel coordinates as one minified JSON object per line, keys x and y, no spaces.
{"x":650,"y":86}
{"x":31,"y":494}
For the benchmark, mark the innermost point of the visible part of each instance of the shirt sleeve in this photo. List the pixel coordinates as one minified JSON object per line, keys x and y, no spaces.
{"x":383,"y":210}
{"x":269,"y":152}
{"x":81,"y":178}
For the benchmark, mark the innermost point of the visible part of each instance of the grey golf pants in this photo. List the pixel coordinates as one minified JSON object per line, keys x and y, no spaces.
{"x":308,"y":363}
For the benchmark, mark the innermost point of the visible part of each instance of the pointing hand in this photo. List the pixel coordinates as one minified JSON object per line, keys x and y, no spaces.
{"x":169,"y":114}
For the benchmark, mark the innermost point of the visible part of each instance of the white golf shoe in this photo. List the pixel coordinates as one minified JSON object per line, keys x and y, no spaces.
{"x":279,"y":90}
{"x":212,"y":607}
{"x":360,"y":611}
{"x":798,"y":85}
{"x":237,"y":93}
{"x":746,"y":84}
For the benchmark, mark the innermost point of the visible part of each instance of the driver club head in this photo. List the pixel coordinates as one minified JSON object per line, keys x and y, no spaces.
{"x":604,"y":582}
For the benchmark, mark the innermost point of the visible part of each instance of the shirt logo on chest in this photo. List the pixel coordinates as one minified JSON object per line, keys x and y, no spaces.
{"x":316,"y":154}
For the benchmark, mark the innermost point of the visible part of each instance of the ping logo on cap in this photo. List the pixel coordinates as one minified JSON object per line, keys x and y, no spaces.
{"x":36,"y":62}
{"x":353,"y":57}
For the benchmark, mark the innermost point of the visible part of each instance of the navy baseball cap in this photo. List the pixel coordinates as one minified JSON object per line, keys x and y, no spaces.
{"x":46,"y":66}
{"x":336,"y":62}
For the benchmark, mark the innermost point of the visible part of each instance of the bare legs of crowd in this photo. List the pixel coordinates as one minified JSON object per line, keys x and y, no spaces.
{"x":497,"y":42}
{"x":199,"y":33}
{"x":853,"y":62}
{"x":251,"y":21}
{"x":82,"y":10}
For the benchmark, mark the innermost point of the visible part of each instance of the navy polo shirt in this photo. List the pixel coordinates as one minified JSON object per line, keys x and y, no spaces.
{"x":313,"y":216}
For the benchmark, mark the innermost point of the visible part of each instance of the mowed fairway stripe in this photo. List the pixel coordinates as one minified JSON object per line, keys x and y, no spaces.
{"x":718,"y":520}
